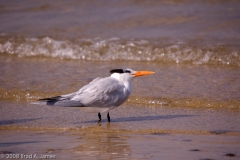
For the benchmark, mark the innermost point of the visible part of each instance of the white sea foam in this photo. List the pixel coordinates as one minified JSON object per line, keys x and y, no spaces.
{"x":116,"y":49}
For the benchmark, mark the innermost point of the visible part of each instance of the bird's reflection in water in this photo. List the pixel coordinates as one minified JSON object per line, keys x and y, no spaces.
{"x":102,"y":142}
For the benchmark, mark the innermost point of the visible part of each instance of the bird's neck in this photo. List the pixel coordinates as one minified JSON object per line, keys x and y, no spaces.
{"x":128,"y":85}
{"x":125,"y":80}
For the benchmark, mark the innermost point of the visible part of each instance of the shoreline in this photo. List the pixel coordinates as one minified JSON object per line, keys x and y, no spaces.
{"x":125,"y":119}
{"x":99,"y":129}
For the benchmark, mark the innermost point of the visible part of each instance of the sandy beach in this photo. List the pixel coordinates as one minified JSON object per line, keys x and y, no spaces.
{"x":134,"y":133}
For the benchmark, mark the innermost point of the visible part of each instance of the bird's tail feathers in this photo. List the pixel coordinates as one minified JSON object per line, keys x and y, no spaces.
{"x":58,"y":101}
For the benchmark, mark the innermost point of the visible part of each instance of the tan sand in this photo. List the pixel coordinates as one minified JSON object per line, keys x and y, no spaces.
{"x":134,"y":133}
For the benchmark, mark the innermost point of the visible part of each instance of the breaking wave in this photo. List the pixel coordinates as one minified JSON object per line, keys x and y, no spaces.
{"x":115,"y":49}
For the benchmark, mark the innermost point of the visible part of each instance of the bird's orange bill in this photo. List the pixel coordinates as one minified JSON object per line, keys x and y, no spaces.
{"x":142,"y":73}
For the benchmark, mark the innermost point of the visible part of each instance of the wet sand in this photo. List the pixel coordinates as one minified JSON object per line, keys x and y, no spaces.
{"x":109,"y":144}
{"x":136,"y":132}
{"x":192,"y":112}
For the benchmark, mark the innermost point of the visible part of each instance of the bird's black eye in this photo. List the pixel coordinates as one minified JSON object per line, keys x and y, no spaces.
{"x":127,"y":71}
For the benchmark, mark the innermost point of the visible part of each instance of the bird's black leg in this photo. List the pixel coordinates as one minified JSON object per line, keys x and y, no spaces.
{"x":108,"y":117}
{"x":99,"y":116}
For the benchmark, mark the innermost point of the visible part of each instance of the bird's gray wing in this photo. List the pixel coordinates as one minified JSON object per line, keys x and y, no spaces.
{"x":64,"y":100}
{"x":104,"y":92}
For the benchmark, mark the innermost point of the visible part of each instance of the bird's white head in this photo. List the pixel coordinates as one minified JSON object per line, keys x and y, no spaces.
{"x":128,"y":74}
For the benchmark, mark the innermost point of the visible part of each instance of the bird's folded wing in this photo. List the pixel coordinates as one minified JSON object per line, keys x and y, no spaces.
{"x":64,"y":100}
{"x":103,"y":92}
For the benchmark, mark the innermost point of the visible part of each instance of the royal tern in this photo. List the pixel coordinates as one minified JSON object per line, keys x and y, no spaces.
{"x":101,"y":95}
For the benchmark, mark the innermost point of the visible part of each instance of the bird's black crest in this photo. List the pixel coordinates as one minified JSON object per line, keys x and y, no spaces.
{"x":117,"y":71}
{"x":126,"y":70}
